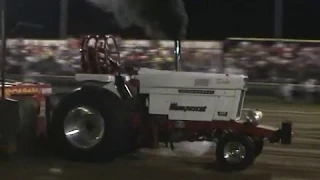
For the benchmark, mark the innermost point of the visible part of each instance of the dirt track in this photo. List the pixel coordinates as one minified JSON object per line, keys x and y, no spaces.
{"x":301,"y":160}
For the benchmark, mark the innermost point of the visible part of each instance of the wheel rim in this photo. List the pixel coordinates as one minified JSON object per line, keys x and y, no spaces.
{"x":84,"y":127}
{"x":234,"y":152}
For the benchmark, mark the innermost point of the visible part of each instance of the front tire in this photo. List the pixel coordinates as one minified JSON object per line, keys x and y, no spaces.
{"x":235,"y":152}
{"x":258,"y":143}
{"x":108,"y":133}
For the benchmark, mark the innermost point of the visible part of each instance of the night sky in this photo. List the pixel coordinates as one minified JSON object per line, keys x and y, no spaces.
{"x":208,"y":19}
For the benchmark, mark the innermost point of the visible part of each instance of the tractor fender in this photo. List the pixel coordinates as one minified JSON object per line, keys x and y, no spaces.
{"x":98,"y":86}
{"x":116,"y":116}
{"x":105,"y":90}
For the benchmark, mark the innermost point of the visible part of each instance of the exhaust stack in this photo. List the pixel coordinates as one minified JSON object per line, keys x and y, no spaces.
{"x":177,"y":55}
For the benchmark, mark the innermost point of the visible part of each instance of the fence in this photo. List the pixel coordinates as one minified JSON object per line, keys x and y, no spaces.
{"x":274,"y":67}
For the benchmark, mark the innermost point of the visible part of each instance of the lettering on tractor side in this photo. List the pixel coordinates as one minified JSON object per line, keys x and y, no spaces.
{"x":195,"y":91}
{"x":223,"y":81}
{"x":220,"y":113}
{"x":176,"y":107}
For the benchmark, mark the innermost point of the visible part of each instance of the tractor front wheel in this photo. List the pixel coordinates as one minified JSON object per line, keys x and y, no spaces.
{"x":259,"y":146}
{"x":235,"y":151}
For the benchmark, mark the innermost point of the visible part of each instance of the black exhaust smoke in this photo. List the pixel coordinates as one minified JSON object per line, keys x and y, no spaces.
{"x":160,"y":19}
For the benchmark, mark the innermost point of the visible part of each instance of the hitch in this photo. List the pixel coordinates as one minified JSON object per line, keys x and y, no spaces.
{"x":286,"y":132}
{"x":283,"y":135}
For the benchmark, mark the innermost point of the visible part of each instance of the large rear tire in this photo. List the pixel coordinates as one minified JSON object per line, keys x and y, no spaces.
{"x":110,"y":132}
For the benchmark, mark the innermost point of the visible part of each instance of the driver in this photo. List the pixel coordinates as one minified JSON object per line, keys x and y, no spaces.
{"x":103,"y":52}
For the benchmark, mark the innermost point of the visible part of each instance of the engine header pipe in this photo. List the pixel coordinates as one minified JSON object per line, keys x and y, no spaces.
{"x":177,"y":55}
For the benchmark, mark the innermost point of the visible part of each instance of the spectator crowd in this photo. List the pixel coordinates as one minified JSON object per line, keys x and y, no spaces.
{"x":270,"y":61}
{"x":52,"y":58}
{"x":284,"y":62}
{"x":262,"y":61}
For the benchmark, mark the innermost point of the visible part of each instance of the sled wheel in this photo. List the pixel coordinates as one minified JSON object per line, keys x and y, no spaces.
{"x":90,"y":126}
{"x":235,"y":151}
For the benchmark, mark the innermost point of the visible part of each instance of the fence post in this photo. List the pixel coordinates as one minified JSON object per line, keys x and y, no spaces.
{"x":225,"y":44}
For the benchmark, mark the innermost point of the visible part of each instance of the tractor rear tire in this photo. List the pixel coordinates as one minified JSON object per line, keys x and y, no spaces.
{"x":235,"y":152}
{"x":117,"y":126}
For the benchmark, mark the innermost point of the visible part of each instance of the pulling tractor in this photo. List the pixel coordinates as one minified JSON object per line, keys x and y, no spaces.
{"x":118,"y":109}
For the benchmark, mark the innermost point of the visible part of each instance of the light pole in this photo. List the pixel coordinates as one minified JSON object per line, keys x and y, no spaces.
{"x":63,"y":18}
{"x":10,"y":111}
{"x":278,"y":19}
{"x":3,"y":46}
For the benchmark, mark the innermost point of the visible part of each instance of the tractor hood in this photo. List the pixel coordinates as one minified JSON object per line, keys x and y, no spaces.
{"x":150,"y":78}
